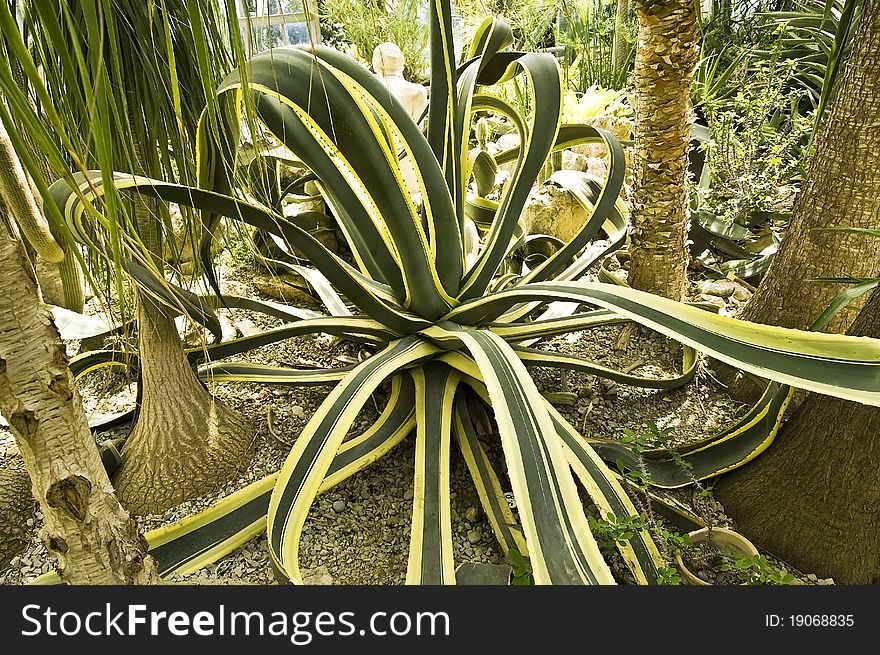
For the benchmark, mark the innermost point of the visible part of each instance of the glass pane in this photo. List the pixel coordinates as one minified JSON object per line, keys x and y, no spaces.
{"x":297,"y":32}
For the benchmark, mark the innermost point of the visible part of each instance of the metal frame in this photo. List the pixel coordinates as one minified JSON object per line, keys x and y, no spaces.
{"x":261,"y":17}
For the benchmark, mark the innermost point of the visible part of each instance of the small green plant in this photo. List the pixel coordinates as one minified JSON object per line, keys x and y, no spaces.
{"x":758,"y":139}
{"x":522,"y":569}
{"x":595,"y":102}
{"x":668,"y":576}
{"x":758,"y":570}
{"x":613,"y":530}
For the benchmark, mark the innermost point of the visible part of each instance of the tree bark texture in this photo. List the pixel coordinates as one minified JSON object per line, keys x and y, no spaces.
{"x":813,"y":498}
{"x":841,"y":188}
{"x":185,"y":443}
{"x":93,"y":538}
{"x":665,"y":60}
{"x":16,"y":508}
{"x":61,"y":283}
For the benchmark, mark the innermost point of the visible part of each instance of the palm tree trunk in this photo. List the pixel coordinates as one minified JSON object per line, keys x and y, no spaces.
{"x":93,"y":538}
{"x":185,"y":443}
{"x":813,"y":498}
{"x":665,"y":60}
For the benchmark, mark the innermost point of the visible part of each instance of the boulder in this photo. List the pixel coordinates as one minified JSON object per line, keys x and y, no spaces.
{"x":554,"y":211}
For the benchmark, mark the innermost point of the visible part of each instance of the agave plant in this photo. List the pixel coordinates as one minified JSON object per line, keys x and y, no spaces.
{"x":452,"y":327}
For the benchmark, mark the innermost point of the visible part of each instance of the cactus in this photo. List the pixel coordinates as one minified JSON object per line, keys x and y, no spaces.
{"x":21,"y":203}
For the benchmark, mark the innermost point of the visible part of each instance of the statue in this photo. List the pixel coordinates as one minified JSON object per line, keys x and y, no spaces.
{"x":388,"y":64}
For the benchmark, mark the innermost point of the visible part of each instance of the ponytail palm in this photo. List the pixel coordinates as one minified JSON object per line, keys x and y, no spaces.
{"x":121,"y":86}
{"x":453,"y":341}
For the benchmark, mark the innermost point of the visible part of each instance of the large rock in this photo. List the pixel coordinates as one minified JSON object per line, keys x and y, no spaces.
{"x":554,"y":211}
{"x":287,"y":287}
{"x":180,"y":248}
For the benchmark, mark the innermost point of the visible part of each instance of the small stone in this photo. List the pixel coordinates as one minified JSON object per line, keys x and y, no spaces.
{"x":703,"y":575}
{"x":742,"y":294}
{"x":472,"y":514}
{"x":609,"y":388}
{"x":585,"y":391}
{"x":339,"y":506}
{"x":297,"y":411}
{"x":508,"y":141}
{"x":317,"y":576}
{"x":812,"y":577}
{"x":574,"y":161}
{"x":408,"y":494}
{"x":712,"y":300}
{"x":474,"y":537}
{"x":720,"y":288}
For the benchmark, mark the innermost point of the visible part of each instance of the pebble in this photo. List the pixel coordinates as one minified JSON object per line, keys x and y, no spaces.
{"x":474,"y":537}
{"x":742,"y":294}
{"x":719,"y":288}
{"x":297,"y":411}
{"x":339,"y":506}
{"x":408,"y":494}
{"x":714,"y":300}
{"x":472,"y":514}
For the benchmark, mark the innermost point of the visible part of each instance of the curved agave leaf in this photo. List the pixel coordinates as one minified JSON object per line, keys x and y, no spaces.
{"x":504,"y":525}
{"x":837,"y":365}
{"x":640,"y":553}
{"x":430,"y":549}
{"x":364,"y":293}
{"x":734,"y":446}
{"x":305,"y":101}
{"x":309,"y":460}
{"x":538,"y":357}
{"x":277,"y":310}
{"x":192,"y":542}
{"x":544,"y":78}
{"x":439,"y":208}
{"x":562,"y":549}
{"x":338,"y":326}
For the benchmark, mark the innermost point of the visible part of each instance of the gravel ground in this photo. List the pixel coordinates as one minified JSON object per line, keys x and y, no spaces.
{"x":358,"y":532}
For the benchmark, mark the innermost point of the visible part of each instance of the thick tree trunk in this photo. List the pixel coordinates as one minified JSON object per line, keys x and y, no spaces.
{"x":665,"y":60}
{"x":841,"y":188}
{"x":86,"y":529}
{"x":185,"y":443}
{"x":813,"y":498}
